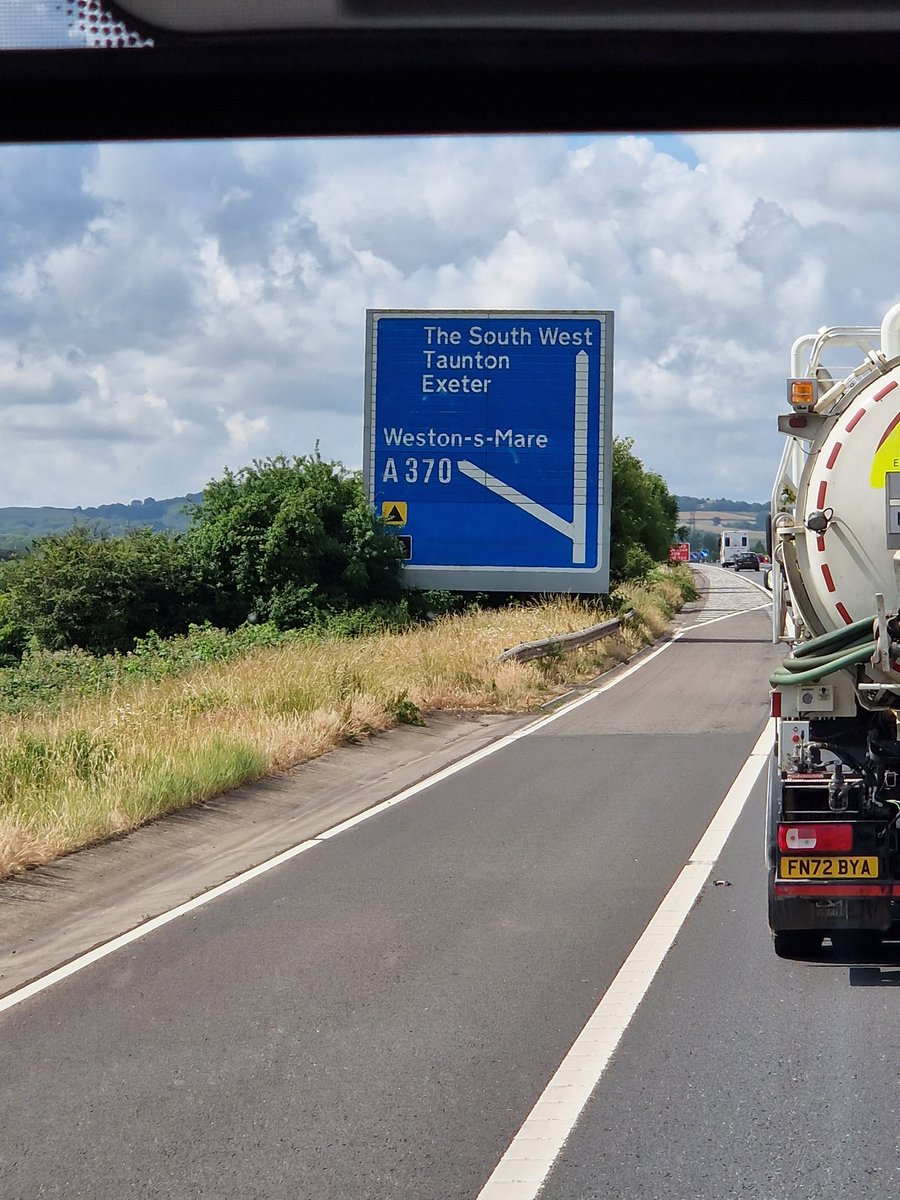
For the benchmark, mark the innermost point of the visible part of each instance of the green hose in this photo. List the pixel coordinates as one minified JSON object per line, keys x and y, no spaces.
{"x":837,"y":637}
{"x":827,"y":666}
{"x":795,"y":665}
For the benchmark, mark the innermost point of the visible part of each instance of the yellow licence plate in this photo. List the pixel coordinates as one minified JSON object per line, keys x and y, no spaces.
{"x":832,"y":867}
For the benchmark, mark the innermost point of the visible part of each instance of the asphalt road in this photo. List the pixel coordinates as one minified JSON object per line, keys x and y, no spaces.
{"x":377,"y":1017}
{"x":743,"y":1075}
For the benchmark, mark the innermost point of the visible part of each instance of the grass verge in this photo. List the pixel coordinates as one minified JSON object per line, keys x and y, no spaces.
{"x":86,"y":766}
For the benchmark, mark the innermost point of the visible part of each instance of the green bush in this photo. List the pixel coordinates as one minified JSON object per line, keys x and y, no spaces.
{"x":286,"y":539}
{"x":87,"y":589}
{"x":12,"y":634}
{"x":638,"y":563}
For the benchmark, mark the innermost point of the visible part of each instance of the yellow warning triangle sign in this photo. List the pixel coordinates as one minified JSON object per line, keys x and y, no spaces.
{"x":393,"y":512}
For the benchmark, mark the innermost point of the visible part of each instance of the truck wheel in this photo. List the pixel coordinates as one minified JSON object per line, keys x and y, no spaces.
{"x":797,"y":943}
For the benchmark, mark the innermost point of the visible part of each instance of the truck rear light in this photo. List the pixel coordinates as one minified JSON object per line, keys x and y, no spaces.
{"x":831,"y":836}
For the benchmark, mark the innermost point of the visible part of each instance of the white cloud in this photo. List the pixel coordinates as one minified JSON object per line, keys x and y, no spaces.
{"x":244,"y":431}
{"x":168,"y":310}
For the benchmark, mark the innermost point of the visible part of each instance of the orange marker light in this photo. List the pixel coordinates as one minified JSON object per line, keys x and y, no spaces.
{"x":802,"y":393}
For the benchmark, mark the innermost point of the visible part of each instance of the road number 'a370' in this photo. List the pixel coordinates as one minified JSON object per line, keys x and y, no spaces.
{"x":418,"y":470}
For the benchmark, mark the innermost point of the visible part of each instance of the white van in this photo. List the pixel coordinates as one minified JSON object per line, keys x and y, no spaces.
{"x":735,"y":541}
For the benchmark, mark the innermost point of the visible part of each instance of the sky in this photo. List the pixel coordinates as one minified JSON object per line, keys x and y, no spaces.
{"x":168,"y":310}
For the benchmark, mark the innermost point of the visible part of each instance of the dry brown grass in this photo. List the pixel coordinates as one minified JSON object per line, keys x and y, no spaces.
{"x":107,"y":765}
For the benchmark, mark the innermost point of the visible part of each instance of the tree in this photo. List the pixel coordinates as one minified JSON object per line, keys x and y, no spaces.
{"x":644,"y":515}
{"x":87,"y":588}
{"x":284,"y":539}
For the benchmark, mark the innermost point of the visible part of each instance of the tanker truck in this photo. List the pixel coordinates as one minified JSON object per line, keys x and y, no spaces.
{"x":833,"y":812}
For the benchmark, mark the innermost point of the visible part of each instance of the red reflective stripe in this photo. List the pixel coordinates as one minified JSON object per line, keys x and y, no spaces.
{"x":829,"y":582}
{"x":855,"y":420}
{"x":820,"y":501}
{"x":776,"y":704}
{"x":821,"y":890}
{"x":836,"y":449}
{"x":820,"y":543}
{"x":884,"y":391}
{"x":844,"y":613}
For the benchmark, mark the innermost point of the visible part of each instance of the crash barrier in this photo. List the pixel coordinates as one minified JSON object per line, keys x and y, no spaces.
{"x":565,"y":641}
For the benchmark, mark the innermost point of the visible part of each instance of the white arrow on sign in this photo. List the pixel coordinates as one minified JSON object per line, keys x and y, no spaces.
{"x":577,"y":527}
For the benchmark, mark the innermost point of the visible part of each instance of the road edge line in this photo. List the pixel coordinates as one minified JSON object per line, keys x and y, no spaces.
{"x":530,"y":1156}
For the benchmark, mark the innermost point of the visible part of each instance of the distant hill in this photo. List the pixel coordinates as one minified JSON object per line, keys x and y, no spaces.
{"x":20,"y":526}
{"x":705,"y":515}
{"x":705,"y":504}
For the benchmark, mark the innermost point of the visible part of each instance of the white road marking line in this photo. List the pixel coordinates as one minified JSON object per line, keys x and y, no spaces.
{"x":43,"y":982}
{"x":528,"y":1160}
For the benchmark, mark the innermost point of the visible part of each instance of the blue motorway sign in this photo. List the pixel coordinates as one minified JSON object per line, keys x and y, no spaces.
{"x":488,"y":446}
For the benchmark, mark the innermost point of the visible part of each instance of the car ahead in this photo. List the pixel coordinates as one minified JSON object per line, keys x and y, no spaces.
{"x":746,"y":562}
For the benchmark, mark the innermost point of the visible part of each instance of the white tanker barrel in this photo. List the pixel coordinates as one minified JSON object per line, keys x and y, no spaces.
{"x":848,"y":554}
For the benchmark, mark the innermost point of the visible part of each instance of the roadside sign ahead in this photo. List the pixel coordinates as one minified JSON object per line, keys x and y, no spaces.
{"x":488,"y":440}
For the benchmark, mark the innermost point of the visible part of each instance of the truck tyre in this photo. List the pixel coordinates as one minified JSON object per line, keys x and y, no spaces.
{"x":797,"y":943}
